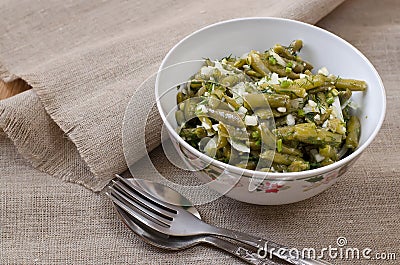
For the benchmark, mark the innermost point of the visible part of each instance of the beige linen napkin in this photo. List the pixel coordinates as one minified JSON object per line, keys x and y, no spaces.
{"x":84,"y":60}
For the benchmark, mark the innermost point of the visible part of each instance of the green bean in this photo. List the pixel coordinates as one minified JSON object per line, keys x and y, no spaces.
{"x":254,"y":145}
{"x":239,"y":63}
{"x":201,"y":91}
{"x":256,"y":101}
{"x":326,"y":162}
{"x":222,"y":130}
{"x":232,"y":102}
{"x":280,"y":70}
{"x":328,"y":151}
{"x":218,"y":91}
{"x":226,"y":117}
{"x":180,"y":117}
{"x":208,"y":62}
{"x":235,"y":133}
{"x":276,"y":100}
{"x":286,"y":133}
{"x":308,"y":133}
{"x":280,"y":121}
{"x":297,"y":166}
{"x":352,"y":84}
{"x":226,"y":152}
{"x":196,"y":84}
{"x":215,"y":103}
{"x":295,"y":46}
{"x":264,"y":113}
{"x":297,"y":67}
{"x":253,"y":73}
{"x":324,"y":117}
{"x":279,"y":158}
{"x":306,"y":65}
{"x":321,"y":99}
{"x":295,"y":89}
{"x":222,"y":142}
{"x":310,"y":82}
{"x":230,"y":80}
{"x":249,"y":165}
{"x":290,"y":52}
{"x":353,"y":132}
{"x":267,"y":137}
{"x":283,"y":52}
{"x":346,"y":113}
{"x":279,"y":167}
{"x":257,"y":64}
{"x":190,"y":108}
{"x":206,"y":122}
{"x":193,"y":133}
{"x":337,"y":126}
{"x":291,"y":151}
{"x":180,"y":97}
{"x":345,"y":95}
{"x":322,"y":88}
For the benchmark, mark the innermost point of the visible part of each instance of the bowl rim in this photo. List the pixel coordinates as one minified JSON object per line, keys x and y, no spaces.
{"x":273,"y":175}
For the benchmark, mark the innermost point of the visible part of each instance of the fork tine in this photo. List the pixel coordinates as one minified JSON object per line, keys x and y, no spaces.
{"x":133,"y":194}
{"x":150,"y":198}
{"x":137,"y":211}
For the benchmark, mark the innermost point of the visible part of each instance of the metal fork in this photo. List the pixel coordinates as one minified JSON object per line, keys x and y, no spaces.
{"x":172,"y":220}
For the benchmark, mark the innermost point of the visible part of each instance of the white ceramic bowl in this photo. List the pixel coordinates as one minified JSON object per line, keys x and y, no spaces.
{"x":238,"y":36}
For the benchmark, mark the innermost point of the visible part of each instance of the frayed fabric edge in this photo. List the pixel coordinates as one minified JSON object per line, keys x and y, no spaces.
{"x":9,"y":126}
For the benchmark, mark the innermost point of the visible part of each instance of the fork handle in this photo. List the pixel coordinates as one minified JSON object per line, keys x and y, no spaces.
{"x":264,"y":247}
{"x":238,"y":251}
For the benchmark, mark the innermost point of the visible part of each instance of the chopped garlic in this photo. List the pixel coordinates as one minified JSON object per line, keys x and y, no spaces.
{"x":316,"y":155}
{"x":219,"y":66}
{"x":303,"y":75}
{"x":206,"y":70}
{"x":290,"y":120}
{"x":278,"y":59}
{"x":323,"y":71}
{"x":242,"y":110}
{"x":325,"y":124}
{"x":239,"y":89}
{"x":274,"y":79}
{"x":337,"y":110}
{"x":317,"y":117}
{"x":215,"y":127}
{"x":206,"y":125}
{"x":250,"y":120}
{"x":319,"y":157}
{"x":281,"y":109}
{"x":201,"y":109}
{"x":312,"y":103}
{"x":307,"y":109}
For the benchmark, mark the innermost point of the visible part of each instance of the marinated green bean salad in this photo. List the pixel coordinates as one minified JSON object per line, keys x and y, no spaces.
{"x":267,"y":111}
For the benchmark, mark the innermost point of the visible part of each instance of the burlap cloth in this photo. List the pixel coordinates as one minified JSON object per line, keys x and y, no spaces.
{"x":84,"y":59}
